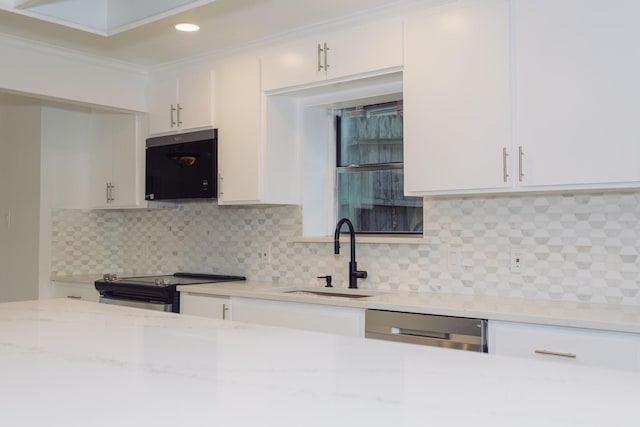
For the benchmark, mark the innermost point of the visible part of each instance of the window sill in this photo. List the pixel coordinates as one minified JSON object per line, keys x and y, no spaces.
{"x":368,"y":239}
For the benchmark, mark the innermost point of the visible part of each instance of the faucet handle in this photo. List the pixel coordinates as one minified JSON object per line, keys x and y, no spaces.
{"x":328,"y":281}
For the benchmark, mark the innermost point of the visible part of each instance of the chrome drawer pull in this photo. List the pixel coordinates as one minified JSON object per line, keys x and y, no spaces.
{"x":556,"y":353}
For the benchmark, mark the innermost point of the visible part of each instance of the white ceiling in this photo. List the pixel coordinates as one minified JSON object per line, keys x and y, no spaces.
{"x":145,"y":35}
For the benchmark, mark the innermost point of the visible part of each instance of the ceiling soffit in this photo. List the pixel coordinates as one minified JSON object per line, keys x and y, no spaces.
{"x":102,"y":17}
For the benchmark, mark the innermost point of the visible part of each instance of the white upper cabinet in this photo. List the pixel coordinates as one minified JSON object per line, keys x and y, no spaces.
{"x":117,"y":161}
{"x":256,"y":160}
{"x":181,"y":100}
{"x":577,"y":64}
{"x":526,"y":95}
{"x":457,"y":129}
{"x":362,"y":49}
{"x":238,"y":110}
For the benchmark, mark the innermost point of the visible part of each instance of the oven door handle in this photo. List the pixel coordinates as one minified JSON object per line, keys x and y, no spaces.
{"x":128,"y":302}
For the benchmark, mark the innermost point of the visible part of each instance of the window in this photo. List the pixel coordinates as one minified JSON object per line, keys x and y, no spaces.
{"x":369,"y":172}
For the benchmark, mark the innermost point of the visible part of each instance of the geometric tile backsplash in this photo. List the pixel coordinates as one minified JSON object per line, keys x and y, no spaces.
{"x":574,"y":247}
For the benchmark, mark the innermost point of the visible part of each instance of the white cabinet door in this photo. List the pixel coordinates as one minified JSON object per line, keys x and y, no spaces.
{"x":81,"y":291}
{"x":577,"y":64}
{"x":457,"y":98}
{"x":310,"y":317}
{"x":373,"y":47}
{"x":238,"y":119}
{"x":362,"y":49}
{"x":180,"y":100}
{"x":257,"y":152}
{"x":117,"y":161}
{"x":163,"y":98}
{"x":194,"y":98}
{"x":210,"y":306}
{"x":614,"y":350}
{"x":293,"y":64}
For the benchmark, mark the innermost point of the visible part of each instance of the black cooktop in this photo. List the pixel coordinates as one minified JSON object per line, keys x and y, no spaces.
{"x":174,"y":279}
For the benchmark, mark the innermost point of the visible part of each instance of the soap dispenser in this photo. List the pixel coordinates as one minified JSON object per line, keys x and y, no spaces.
{"x":327,"y":280}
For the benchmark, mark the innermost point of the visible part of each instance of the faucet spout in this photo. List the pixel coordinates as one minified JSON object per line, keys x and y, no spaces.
{"x":354,"y":273}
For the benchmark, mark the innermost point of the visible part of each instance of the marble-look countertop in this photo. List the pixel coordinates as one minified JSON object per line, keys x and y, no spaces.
{"x":608,"y":317}
{"x":75,"y":363}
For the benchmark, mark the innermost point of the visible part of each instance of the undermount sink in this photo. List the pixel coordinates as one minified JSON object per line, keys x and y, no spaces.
{"x":327,"y":293}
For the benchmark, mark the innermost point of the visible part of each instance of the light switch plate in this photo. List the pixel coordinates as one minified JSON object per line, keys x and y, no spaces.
{"x":454,"y":258}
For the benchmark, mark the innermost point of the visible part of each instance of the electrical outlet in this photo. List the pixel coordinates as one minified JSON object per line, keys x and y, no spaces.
{"x":517,"y":262}
{"x":454,"y":258}
{"x":265,"y":254}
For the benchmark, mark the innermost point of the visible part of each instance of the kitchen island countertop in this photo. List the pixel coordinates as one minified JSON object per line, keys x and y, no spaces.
{"x":77,"y":363}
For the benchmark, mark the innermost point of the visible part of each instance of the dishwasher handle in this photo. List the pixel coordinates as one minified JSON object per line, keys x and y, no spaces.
{"x":420,"y":333}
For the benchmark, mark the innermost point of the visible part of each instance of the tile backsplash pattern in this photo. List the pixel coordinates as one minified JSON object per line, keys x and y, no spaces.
{"x":578,"y":247}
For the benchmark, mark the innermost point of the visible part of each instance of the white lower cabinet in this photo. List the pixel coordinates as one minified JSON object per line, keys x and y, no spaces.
{"x":311,"y":317}
{"x":214,"y":307}
{"x":576,"y":346}
{"x":81,"y":291}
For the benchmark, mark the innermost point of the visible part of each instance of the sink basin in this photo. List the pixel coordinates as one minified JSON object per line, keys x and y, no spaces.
{"x":327,"y":293}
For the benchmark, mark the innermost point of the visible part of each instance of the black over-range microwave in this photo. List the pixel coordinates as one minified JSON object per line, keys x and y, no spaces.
{"x":182,"y":166}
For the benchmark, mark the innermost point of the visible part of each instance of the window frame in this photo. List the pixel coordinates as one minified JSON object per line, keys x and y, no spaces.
{"x":368,"y":167}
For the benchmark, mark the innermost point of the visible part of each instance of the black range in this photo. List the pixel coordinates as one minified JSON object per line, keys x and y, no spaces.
{"x":153,"y":292}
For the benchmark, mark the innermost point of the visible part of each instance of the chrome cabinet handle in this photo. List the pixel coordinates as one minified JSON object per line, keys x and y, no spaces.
{"x":224,"y":311}
{"x":326,"y":59}
{"x":520,"y":172}
{"x":323,"y":59}
{"x":173,"y":110}
{"x":178,"y":109}
{"x":220,"y":179}
{"x":73,"y":297}
{"x":556,"y":353}
{"x":109,"y":191}
{"x":505,"y":173}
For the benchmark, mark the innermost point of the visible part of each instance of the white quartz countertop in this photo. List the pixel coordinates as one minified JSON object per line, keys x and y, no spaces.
{"x":76,"y":363}
{"x":609,"y":317}
{"x":582,"y":315}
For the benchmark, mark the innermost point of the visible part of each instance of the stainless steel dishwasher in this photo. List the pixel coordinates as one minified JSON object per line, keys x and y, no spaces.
{"x":460,"y":333}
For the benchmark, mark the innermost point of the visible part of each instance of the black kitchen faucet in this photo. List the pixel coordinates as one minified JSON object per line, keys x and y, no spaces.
{"x":354,"y":273}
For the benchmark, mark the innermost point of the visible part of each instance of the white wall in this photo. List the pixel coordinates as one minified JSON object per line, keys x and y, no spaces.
{"x":44,"y":165}
{"x":64,"y":183}
{"x":19,"y":198}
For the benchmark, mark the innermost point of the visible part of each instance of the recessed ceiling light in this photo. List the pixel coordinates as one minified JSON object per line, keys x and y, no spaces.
{"x":187,"y":27}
